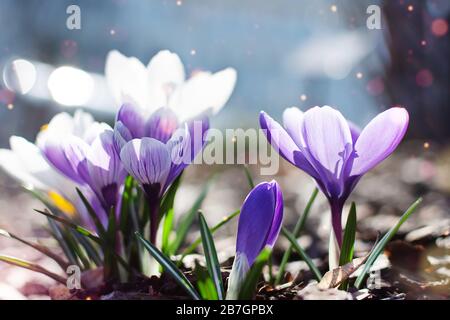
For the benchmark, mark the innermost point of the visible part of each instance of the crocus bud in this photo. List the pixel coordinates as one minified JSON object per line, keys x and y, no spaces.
{"x":259,"y":226}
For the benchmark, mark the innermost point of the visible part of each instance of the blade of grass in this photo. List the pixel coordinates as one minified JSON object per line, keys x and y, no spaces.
{"x":387,"y":237}
{"x":247,"y":290}
{"x":211,"y":257}
{"x":197,"y":242}
{"x":170,"y":268}
{"x":297,"y":229}
{"x":348,"y":243}
{"x":31,"y":266}
{"x":43,"y":249}
{"x":302,"y":253}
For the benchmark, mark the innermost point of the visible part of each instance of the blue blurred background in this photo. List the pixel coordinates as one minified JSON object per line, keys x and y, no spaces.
{"x":303,"y":53}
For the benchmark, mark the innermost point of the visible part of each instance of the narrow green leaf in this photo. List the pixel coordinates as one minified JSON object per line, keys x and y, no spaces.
{"x":247,"y":290}
{"x":387,"y":237}
{"x":302,"y":253}
{"x":41,"y":248}
{"x":169,"y":267}
{"x":205,"y":284}
{"x":111,"y":271}
{"x":211,"y":257}
{"x":185,"y":224}
{"x":349,"y":237}
{"x":196,"y":243}
{"x":297,"y":229}
{"x":169,"y":198}
{"x":249,"y":177}
{"x":167,"y":230}
{"x":31,"y":266}
{"x":86,"y":233}
{"x":72,"y":225}
{"x":89,"y":247}
{"x":98,"y":225}
{"x":56,"y":232}
{"x":125,"y":207}
{"x":348,"y":244}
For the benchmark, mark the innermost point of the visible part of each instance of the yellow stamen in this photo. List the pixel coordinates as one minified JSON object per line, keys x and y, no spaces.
{"x":61,"y":203}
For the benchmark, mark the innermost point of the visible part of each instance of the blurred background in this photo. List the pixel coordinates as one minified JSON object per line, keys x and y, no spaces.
{"x":302,"y":53}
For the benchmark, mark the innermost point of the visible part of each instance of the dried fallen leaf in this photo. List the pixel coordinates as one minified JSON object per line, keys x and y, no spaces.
{"x":60,"y":292}
{"x":335,"y":277}
{"x":313,"y":292}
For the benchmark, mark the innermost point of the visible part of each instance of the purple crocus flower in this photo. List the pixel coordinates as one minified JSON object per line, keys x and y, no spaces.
{"x":335,"y":153}
{"x":259,"y":226}
{"x":155,"y":149}
{"x":94,"y":163}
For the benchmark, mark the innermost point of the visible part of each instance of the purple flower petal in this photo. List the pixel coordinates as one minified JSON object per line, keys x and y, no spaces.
{"x":278,"y":214}
{"x":161,"y":125}
{"x":54,"y":151}
{"x":132,"y":118}
{"x":260,"y":220}
{"x":293,"y":120}
{"x":280,"y":140}
{"x":185,"y":145}
{"x":379,"y":139}
{"x":354,"y":130}
{"x":278,"y":137}
{"x":329,"y":143}
{"x":147,"y":160}
{"x":75,"y":150}
{"x":121,"y":135}
{"x":105,"y":169}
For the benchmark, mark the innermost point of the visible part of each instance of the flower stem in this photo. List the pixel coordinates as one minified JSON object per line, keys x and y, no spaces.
{"x":336,"y":220}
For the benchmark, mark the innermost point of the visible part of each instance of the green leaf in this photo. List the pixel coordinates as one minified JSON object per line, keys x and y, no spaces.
{"x":98,"y":225}
{"x":195,"y":244}
{"x":249,"y":177}
{"x":88,"y":234}
{"x":248,"y":287}
{"x":125,"y":207}
{"x":387,"y":237}
{"x":349,"y":237}
{"x":185,"y":224}
{"x":170,"y":267}
{"x":297,"y":229}
{"x":56,"y":232}
{"x":89,"y":247}
{"x":205,"y":284}
{"x":348,"y":244}
{"x":302,"y":253}
{"x":211,"y":257}
{"x":111,"y":271}
{"x":43,"y":249}
{"x":72,"y":225}
{"x":31,"y":266}
{"x":167,"y":230}
{"x":169,"y":197}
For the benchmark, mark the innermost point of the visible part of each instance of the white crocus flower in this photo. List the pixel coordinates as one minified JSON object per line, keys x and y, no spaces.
{"x":162,"y":83}
{"x":26,"y":162}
